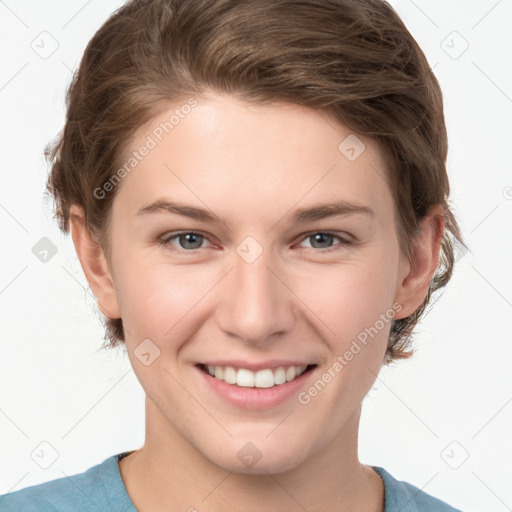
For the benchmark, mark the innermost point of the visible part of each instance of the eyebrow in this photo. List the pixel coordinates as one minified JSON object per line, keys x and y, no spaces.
{"x":301,"y":215}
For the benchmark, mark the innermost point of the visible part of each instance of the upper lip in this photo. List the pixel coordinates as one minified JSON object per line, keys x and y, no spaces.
{"x":271,"y":364}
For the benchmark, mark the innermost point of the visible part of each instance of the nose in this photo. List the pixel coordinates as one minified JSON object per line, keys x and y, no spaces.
{"x":256,"y":304}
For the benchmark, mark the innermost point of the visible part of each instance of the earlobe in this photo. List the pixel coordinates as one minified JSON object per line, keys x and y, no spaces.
{"x":94,"y":264}
{"x":424,"y":260}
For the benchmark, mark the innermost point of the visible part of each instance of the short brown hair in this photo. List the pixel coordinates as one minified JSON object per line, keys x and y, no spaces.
{"x":353,"y":59}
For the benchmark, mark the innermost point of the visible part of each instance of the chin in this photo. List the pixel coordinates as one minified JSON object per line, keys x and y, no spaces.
{"x":248,"y":458}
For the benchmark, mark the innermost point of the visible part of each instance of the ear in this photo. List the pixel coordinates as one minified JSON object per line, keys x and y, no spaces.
{"x":94,"y":264}
{"x":416,"y":274}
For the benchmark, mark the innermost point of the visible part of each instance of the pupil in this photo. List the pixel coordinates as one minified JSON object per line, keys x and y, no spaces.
{"x":186,"y":236}
{"x":320,"y":236}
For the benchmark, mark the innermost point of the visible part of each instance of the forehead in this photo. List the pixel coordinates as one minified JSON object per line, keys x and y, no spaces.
{"x":225,"y":154}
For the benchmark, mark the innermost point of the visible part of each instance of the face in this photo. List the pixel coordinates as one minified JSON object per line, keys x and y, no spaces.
{"x":257,"y":288}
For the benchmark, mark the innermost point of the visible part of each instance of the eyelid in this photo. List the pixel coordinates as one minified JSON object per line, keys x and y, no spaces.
{"x":167,"y":237}
{"x":345,"y":240}
{"x":343,"y":243}
{"x":340,"y":234}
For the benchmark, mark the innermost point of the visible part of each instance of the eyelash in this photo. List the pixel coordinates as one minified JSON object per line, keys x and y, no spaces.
{"x":166,"y":242}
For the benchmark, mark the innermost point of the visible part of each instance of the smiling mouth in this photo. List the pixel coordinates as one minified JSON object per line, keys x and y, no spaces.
{"x":266,"y":378}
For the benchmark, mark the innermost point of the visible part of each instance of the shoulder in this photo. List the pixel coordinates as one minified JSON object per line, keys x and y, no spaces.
{"x":98,"y":488}
{"x":400,"y":495}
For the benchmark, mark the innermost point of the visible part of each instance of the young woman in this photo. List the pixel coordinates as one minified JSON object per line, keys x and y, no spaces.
{"x":258,"y":197}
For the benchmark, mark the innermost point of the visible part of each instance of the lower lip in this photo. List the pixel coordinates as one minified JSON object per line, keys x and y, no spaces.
{"x":255,"y":398}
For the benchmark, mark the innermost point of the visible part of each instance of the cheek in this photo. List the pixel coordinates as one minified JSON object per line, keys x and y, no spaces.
{"x":347,"y":297}
{"x":352,"y":310}
{"x":163,"y":301}
{"x":160,"y":299}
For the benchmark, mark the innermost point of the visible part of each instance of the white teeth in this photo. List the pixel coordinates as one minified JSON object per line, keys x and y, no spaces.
{"x":245,"y":378}
{"x":219,"y":373}
{"x":229,"y":375}
{"x":266,"y":378}
{"x":280,"y":376}
{"x":290,"y":373}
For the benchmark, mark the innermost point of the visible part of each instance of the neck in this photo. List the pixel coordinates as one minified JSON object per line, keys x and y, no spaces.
{"x":169,"y":473}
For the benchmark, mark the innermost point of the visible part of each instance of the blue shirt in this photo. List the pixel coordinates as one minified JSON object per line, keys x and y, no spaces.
{"x":101,"y":489}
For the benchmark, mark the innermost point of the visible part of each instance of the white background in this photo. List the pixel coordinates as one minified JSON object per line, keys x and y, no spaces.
{"x":454,"y":397}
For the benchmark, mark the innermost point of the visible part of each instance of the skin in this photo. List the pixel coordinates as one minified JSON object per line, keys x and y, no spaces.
{"x":253,"y":166}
